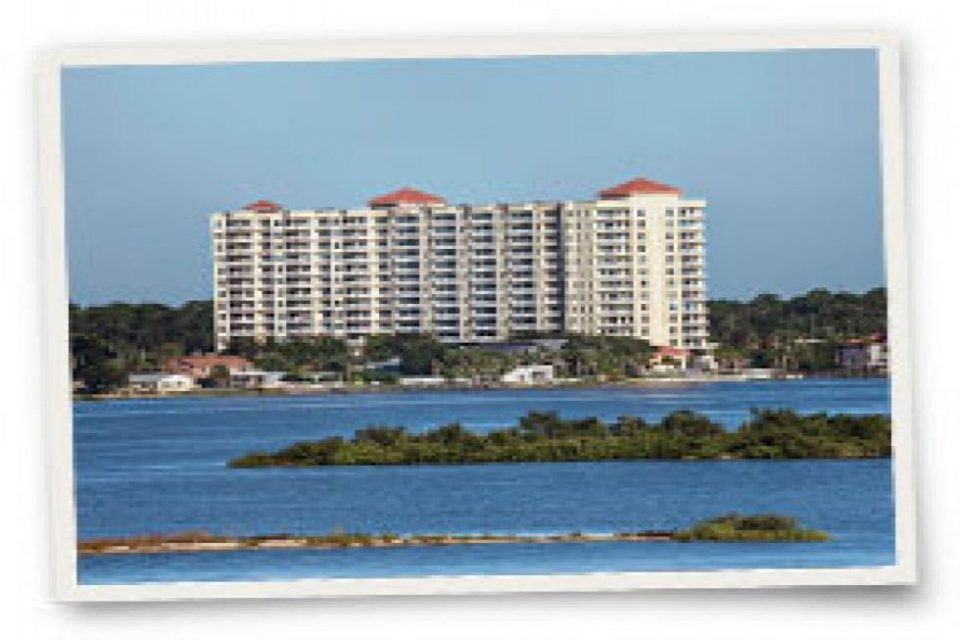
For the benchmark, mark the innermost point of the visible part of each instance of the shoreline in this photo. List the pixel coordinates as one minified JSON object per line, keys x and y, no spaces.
{"x":174,"y":543}
{"x":396,"y":388}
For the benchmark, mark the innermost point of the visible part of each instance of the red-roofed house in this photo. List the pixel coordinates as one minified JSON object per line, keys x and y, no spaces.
{"x":405,"y":195}
{"x":666,"y":357}
{"x":201,"y":366}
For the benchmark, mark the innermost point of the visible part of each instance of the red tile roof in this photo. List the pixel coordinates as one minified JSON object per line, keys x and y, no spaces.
{"x":667,"y":350}
{"x":873,"y":338}
{"x":637,"y":185}
{"x":405,"y":195}
{"x":186,"y":364}
{"x":263,"y":206}
{"x":210,"y":359}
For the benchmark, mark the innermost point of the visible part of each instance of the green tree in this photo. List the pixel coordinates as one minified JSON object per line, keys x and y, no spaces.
{"x":110,"y":341}
{"x":220,"y":375}
{"x":420,"y":354}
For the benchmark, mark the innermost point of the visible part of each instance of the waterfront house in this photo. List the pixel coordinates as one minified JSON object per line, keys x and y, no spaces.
{"x":732,"y":362}
{"x":529,"y":374}
{"x":255,"y":379}
{"x":388,"y":365}
{"x":703,"y":362}
{"x":202,"y":366}
{"x":864,"y":355}
{"x":160,"y":382}
{"x":422,"y":381}
{"x":667,"y":358}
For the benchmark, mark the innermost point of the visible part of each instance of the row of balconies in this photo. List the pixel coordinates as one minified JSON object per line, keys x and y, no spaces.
{"x":608,"y":288}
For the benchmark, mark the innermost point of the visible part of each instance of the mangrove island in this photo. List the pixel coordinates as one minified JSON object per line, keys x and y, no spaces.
{"x":728,"y":528}
{"x":546,"y":437}
{"x":765,"y":527}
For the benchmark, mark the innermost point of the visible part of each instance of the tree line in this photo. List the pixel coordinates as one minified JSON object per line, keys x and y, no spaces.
{"x":546,"y":437}
{"x":108,"y":342}
{"x":801,"y":333}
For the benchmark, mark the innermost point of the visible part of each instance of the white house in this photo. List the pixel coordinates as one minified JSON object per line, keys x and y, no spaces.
{"x":864,"y":355}
{"x":253,"y":379}
{"x":529,"y":374}
{"x":668,"y":359}
{"x":422,"y":381}
{"x":160,"y":382}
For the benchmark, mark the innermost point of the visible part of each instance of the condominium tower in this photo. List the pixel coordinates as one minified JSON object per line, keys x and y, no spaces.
{"x":629,"y":263}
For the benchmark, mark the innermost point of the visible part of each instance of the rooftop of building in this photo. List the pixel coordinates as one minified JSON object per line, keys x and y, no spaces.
{"x":639,"y":186}
{"x":263,"y":206}
{"x":154,"y":376}
{"x":413,"y":196}
{"x":405,"y":195}
{"x":667,"y":350}
{"x":207,"y":358}
{"x":873,"y":338}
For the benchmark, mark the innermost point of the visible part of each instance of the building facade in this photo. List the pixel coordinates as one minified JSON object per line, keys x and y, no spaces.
{"x":629,"y":263}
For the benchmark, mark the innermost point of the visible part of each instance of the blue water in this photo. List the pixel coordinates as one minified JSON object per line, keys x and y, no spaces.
{"x":146,"y":466}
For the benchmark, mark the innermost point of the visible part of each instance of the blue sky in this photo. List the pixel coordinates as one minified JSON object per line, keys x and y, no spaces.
{"x":784,"y":146}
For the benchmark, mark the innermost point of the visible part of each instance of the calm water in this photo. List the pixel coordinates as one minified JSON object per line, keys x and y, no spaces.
{"x":158,"y":466}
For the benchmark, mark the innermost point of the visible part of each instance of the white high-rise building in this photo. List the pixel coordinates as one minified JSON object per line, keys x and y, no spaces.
{"x":630,"y":263}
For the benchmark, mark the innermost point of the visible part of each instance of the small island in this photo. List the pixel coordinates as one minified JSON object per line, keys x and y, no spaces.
{"x":766,"y":527}
{"x":546,"y":437}
{"x":728,"y":528}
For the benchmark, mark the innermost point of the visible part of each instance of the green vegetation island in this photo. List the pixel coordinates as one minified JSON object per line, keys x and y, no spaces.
{"x":794,"y":335}
{"x":728,"y":528}
{"x":545,"y":437}
{"x":764,"y":527}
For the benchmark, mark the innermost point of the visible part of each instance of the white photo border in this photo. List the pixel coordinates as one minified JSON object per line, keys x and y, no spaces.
{"x":58,"y":418}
